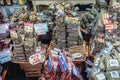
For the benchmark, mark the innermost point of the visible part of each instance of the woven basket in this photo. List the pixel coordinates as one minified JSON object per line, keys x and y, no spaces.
{"x":78,"y":49}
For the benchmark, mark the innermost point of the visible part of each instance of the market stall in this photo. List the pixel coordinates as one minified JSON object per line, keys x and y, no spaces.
{"x":62,"y":42}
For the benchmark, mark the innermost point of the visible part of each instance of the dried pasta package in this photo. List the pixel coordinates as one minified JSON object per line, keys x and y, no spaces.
{"x":29,"y":42}
{"x":99,"y":76}
{"x":72,"y":25}
{"x":111,"y":63}
{"x":73,"y":35}
{"x":71,"y":39}
{"x":97,"y":60}
{"x":113,"y":75}
{"x":101,"y":2}
{"x":13,"y":34}
{"x":29,"y":33}
{"x":102,"y":64}
{"x":98,"y":47}
{"x":18,"y":50}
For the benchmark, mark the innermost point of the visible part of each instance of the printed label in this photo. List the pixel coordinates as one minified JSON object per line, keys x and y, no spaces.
{"x":41,"y":28}
{"x":114,"y":74}
{"x":114,"y":62}
{"x":100,"y":76}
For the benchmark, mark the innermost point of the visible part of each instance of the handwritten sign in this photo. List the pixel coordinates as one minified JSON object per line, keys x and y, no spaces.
{"x":36,"y":58}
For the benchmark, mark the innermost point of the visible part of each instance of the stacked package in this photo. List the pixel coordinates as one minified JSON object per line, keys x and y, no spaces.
{"x":72,"y":37}
{"x":60,"y":36}
{"x":29,"y":40}
{"x":17,"y":43}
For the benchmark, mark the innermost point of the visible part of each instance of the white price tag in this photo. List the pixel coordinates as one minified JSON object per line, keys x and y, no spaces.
{"x":114,"y":74}
{"x":114,"y":62}
{"x":100,"y":76}
{"x":41,"y":28}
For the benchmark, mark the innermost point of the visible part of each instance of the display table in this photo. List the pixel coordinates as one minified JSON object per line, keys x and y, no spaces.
{"x":47,"y":2}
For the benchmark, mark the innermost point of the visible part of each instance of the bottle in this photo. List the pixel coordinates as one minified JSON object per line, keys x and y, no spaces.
{"x":21,"y":2}
{"x":9,"y":2}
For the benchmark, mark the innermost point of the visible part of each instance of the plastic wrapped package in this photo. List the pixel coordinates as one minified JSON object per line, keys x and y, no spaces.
{"x":99,"y":76}
{"x":29,"y":42}
{"x":113,"y":75}
{"x":111,"y":63}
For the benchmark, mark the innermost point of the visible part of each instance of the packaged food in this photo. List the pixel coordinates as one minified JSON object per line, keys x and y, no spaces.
{"x":113,"y":75}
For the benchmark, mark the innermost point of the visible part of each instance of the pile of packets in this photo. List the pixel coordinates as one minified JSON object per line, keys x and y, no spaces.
{"x":60,"y":67}
{"x":106,"y":64}
{"x":66,"y":29}
{"x":5,"y":45}
{"x":25,"y":28}
{"x":25,"y":41}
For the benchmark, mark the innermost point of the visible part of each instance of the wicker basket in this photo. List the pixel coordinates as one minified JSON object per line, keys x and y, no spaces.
{"x":31,"y":70}
{"x":78,"y":49}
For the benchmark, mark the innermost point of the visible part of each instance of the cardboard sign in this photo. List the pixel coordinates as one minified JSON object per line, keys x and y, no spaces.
{"x":41,"y":28}
{"x":36,"y":58}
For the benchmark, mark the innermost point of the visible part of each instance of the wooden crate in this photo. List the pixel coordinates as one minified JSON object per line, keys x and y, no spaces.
{"x":31,"y":70}
{"x":83,"y":49}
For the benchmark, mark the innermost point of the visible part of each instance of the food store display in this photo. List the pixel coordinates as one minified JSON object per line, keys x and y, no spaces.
{"x":84,"y":44}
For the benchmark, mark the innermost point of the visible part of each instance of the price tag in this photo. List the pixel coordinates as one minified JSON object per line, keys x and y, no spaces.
{"x":114,"y":62}
{"x":36,"y":58}
{"x":41,"y":28}
{"x":100,"y":76}
{"x":114,"y":74}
